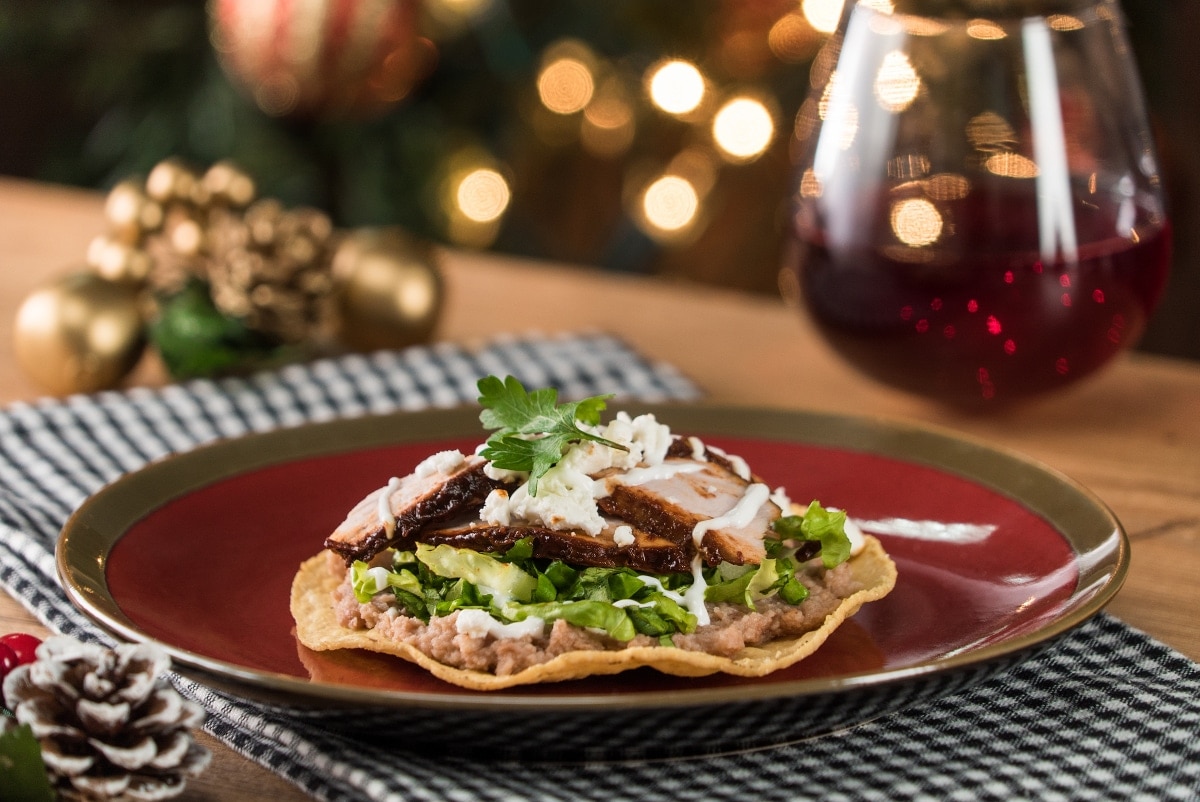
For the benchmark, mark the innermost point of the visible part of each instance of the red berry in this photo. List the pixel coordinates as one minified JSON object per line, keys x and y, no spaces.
{"x":23,"y":645}
{"x":8,"y":660}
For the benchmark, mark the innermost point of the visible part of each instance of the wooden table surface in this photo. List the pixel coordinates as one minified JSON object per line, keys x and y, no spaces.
{"x":1131,"y":434}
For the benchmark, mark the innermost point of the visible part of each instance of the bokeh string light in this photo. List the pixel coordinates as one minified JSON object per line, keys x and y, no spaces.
{"x":610,"y":108}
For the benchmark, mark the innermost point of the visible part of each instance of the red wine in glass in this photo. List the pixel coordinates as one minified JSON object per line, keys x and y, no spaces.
{"x":983,"y":316}
{"x":978,"y":215}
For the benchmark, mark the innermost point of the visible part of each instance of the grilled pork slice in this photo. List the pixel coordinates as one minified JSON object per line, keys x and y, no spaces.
{"x":695,"y":493}
{"x":647,"y":552}
{"x":440,"y":489}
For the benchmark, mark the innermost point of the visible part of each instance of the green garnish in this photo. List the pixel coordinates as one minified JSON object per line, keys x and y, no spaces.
{"x":820,"y":524}
{"x":533,"y":429}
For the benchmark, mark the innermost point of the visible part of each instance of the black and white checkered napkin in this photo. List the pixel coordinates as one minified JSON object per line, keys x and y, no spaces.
{"x":1105,"y":714}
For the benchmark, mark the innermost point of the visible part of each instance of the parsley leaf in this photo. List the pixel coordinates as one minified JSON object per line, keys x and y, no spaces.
{"x":533,"y":429}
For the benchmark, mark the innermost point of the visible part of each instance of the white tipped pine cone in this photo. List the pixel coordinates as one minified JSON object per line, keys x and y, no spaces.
{"x":110,"y":726}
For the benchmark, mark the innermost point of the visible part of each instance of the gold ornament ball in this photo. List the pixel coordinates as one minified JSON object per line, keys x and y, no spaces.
{"x":389,"y":289}
{"x":225,"y":182}
{"x":79,"y":334}
{"x":131,"y":214}
{"x":115,"y":260}
{"x":172,"y":181}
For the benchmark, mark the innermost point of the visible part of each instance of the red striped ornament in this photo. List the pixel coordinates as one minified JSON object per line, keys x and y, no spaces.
{"x":321,"y":58}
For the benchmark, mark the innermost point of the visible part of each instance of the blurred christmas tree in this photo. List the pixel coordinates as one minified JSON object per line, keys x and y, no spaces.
{"x":649,"y":137}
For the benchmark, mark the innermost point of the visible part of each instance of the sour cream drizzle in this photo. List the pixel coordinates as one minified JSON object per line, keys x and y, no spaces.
{"x":741,"y":515}
{"x":654,"y":582}
{"x":739,"y":465}
{"x":385,"y":504}
{"x":640,"y":476}
{"x":480,"y":624}
{"x":693,"y":597}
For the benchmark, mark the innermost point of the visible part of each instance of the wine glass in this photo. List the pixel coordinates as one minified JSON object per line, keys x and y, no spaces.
{"x":978,"y":214}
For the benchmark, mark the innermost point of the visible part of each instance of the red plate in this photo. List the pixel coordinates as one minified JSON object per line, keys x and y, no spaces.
{"x":996,"y":556}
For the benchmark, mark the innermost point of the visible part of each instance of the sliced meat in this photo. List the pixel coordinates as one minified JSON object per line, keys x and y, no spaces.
{"x":685,"y":447}
{"x":419,"y":500}
{"x":648,"y":552}
{"x":673,"y":506}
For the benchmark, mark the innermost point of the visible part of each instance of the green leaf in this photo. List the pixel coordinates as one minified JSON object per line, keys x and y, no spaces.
{"x":818,"y":523}
{"x":503,"y":580}
{"x":561,"y":574}
{"x":532,"y":430}
{"x":793,"y":592}
{"x":195,"y":339}
{"x":367,"y":581}
{"x":521,"y":550}
{"x":22,"y":772}
{"x":595,"y":614}
{"x":670,"y":610}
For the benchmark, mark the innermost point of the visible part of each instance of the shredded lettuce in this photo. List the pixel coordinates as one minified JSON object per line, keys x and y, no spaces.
{"x":614,"y":621}
{"x":514,"y":585}
{"x":367,"y":581}
{"x":817,"y":523}
{"x":502,"y":580}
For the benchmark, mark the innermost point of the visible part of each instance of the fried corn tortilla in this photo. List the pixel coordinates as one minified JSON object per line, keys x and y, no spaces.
{"x":318,"y":629}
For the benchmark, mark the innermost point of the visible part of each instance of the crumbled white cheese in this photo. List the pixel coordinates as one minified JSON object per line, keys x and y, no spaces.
{"x":646,"y":439}
{"x":563,"y":501}
{"x":566,"y":493}
{"x":479,"y":624}
{"x":443,"y":462}
{"x":496,"y":509}
{"x":781,"y":500}
{"x":623,"y":536}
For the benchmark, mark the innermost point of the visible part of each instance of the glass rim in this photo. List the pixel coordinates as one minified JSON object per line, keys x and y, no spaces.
{"x":937,"y":17}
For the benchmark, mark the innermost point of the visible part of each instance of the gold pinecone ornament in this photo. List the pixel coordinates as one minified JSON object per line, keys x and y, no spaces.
{"x":109,"y":724}
{"x":270,"y":267}
{"x":219,"y":281}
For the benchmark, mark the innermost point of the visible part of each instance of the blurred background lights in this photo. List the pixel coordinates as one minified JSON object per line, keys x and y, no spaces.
{"x":916,"y":222}
{"x":670,"y":204}
{"x":985,"y":29}
{"x":1064,"y":22}
{"x":482,"y":195}
{"x":608,"y":121}
{"x":823,"y":15}
{"x":810,"y":185}
{"x":676,"y":87}
{"x":947,"y":187}
{"x":450,"y":11}
{"x":743,"y":128}
{"x":565,"y":85}
{"x":1011,"y":165}
{"x":989,"y":131}
{"x":792,"y":39}
{"x":896,"y":83}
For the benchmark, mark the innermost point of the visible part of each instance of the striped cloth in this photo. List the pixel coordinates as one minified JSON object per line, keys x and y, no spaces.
{"x":1107,"y":713}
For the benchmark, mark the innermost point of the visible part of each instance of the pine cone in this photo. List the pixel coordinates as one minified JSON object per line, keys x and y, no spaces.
{"x":110,"y":726}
